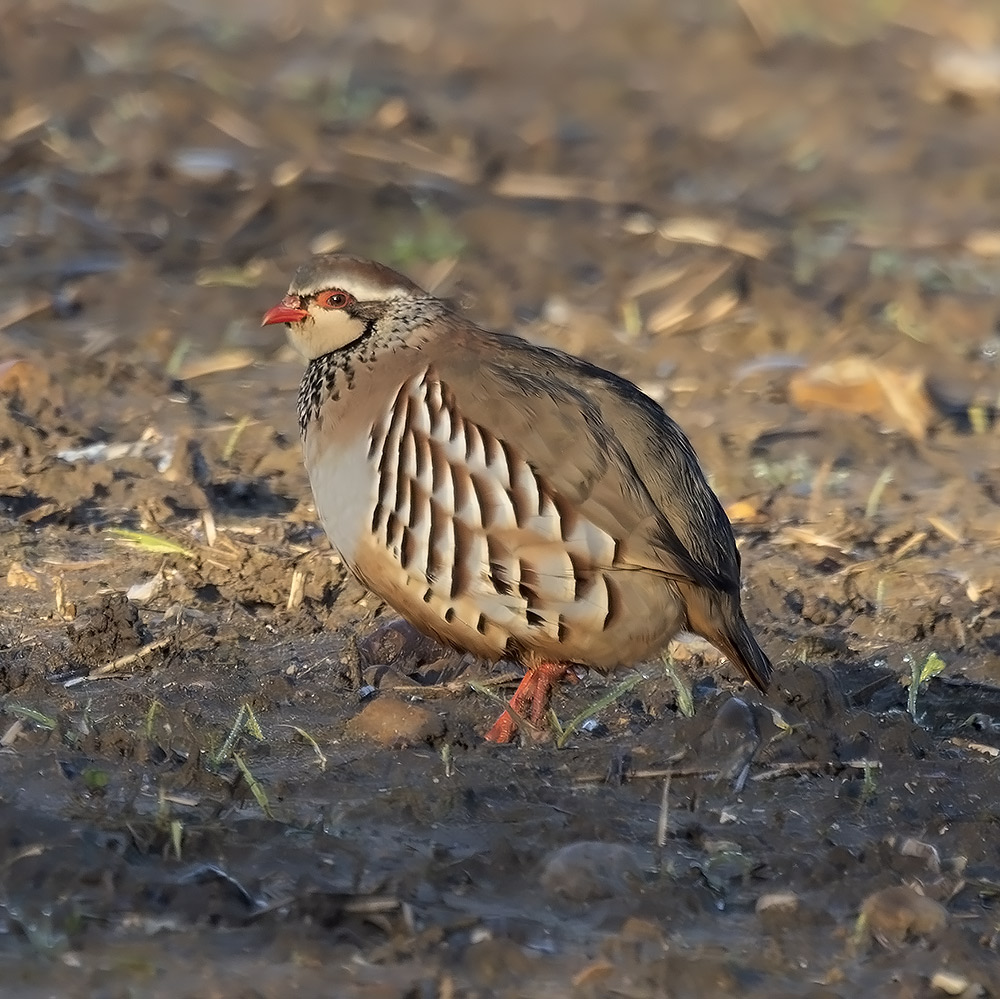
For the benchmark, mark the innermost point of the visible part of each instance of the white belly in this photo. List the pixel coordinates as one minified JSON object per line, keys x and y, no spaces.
{"x":344,"y":487}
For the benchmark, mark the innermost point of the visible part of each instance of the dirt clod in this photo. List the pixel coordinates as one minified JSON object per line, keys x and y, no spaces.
{"x":106,"y":631}
{"x":392,"y":722}
{"x":894,"y":915}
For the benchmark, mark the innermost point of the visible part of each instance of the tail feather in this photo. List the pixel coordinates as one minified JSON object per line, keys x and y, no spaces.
{"x":742,"y":649}
{"x":718,"y":617}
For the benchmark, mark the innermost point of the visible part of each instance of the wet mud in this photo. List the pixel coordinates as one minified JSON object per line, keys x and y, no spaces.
{"x":226,"y":769}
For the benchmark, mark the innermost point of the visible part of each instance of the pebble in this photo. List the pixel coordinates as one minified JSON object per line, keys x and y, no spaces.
{"x":395,"y":723}
{"x":206,"y":166}
{"x":777,"y":901}
{"x":911,"y":847}
{"x":589,"y":870}
{"x":892,"y":915}
{"x":639,"y":224}
{"x":950,"y":984}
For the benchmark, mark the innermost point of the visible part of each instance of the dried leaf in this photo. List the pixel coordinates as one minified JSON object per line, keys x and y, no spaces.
{"x":896,"y":398}
{"x":224,"y":360}
{"x":714,"y":232}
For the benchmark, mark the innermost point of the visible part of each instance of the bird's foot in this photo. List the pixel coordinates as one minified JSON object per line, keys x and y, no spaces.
{"x":533,"y":691}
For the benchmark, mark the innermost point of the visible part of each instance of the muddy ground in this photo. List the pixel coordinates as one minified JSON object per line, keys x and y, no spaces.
{"x":783,"y":220}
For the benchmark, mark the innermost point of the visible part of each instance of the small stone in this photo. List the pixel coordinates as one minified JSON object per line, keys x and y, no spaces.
{"x":557,"y":310}
{"x":588,"y":870}
{"x":394,"y":723}
{"x":911,"y":847}
{"x":141,"y":593}
{"x":894,"y":915}
{"x":949,"y":984}
{"x":206,"y":166}
{"x":777,"y":901}
{"x":639,"y":224}
{"x":392,"y":113}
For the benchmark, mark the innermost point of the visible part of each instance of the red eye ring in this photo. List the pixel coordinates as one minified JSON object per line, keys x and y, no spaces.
{"x":334,"y":299}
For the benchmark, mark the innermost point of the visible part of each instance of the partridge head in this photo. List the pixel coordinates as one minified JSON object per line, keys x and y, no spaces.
{"x":507,"y":499}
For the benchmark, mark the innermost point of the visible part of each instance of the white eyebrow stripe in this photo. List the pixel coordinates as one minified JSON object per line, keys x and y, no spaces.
{"x":361,"y":290}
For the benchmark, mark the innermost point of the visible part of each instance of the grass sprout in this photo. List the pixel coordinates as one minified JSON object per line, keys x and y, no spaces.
{"x":919,"y":675}
{"x":875,"y":496}
{"x":40,"y":719}
{"x":233,"y":439}
{"x":564,"y":733}
{"x":320,"y":755}
{"x":256,"y":788}
{"x":246,"y":721}
{"x":685,"y":699}
{"x":152,"y":543}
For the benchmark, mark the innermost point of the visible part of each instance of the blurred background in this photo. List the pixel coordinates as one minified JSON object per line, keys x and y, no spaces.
{"x":782,"y":217}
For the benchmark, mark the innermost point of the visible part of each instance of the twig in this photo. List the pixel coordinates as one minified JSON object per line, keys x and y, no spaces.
{"x":651,"y":774}
{"x":789,"y":769}
{"x":778,"y":770}
{"x":296,"y":590}
{"x":814,"y":766}
{"x":978,"y":747}
{"x":875,"y":496}
{"x":557,"y":187}
{"x":411,"y":155}
{"x":661,"y":824}
{"x":457,"y":686}
{"x":120,"y":663}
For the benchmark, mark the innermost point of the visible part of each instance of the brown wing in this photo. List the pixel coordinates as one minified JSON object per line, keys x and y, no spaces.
{"x":601,"y":445}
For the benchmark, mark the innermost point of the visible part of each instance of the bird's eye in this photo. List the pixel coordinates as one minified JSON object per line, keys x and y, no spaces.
{"x":333,"y":299}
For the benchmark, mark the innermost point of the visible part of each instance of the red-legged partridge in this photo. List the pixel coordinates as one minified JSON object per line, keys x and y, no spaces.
{"x":507,"y":499}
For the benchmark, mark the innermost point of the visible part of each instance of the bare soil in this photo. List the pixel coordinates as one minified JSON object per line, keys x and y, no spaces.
{"x":225,"y":770}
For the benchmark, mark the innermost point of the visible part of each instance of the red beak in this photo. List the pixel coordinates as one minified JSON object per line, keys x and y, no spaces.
{"x":286,"y":311}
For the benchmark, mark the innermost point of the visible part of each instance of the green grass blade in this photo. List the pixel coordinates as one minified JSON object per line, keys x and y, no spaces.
{"x":45,"y":721}
{"x":609,"y":698}
{"x":150,"y":542}
{"x":256,"y":788}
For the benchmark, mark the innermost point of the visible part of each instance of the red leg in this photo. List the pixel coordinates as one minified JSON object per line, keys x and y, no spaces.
{"x":534,"y":691}
{"x":549,"y":675}
{"x":504,"y":727}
